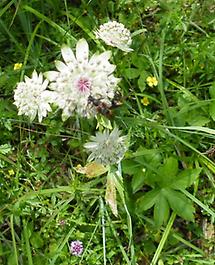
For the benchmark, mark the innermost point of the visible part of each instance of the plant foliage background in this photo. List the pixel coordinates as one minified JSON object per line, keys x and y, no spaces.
{"x":166,"y":200}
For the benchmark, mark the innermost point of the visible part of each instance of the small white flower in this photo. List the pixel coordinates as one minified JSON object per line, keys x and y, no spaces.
{"x":32,"y":98}
{"x":81,"y":78}
{"x":107,"y":148}
{"x":115,"y":34}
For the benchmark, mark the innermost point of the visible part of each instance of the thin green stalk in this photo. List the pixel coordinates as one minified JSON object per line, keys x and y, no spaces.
{"x":103,"y":230}
{"x":187,"y":243}
{"x":118,"y":240}
{"x":198,"y":202}
{"x":120,"y":189}
{"x":27,"y":243}
{"x":61,"y":246}
{"x":4,"y":9}
{"x":29,"y":49}
{"x":89,"y":241}
{"x":163,"y":239}
{"x":13,"y":239}
{"x":49,"y":21}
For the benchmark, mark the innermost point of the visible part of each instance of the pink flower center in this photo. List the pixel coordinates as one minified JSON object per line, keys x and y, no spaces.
{"x":83,"y":84}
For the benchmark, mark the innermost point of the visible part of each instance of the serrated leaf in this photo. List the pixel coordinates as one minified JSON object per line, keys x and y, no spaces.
{"x":148,"y":200}
{"x":167,"y":173}
{"x":180,"y":204}
{"x":161,"y":210}
{"x":132,"y":73}
{"x":185,"y":178}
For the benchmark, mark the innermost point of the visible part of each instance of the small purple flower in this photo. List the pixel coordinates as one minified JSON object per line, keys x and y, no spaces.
{"x":76,"y":248}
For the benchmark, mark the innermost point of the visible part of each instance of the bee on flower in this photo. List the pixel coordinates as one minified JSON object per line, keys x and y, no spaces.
{"x":152,"y":81}
{"x":115,"y":34}
{"x":79,"y":79}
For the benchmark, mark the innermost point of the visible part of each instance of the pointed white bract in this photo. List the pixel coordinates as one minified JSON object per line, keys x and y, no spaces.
{"x":107,"y":148}
{"x":115,"y":34}
{"x":32,"y":98}
{"x":79,"y":78}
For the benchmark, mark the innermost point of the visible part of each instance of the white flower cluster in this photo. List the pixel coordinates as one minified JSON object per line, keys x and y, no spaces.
{"x":115,"y":34}
{"x":32,"y":98}
{"x":107,"y":148}
{"x":79,"y":79}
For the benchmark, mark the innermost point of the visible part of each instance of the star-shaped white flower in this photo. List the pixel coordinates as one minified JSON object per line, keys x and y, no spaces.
{"x":115,"y":34}
{"x":107,"y":148}
{"x":32,"y":98}
{"x":79,"y":78}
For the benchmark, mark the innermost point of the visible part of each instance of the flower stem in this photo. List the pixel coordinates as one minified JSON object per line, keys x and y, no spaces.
{"x":163,"y":239}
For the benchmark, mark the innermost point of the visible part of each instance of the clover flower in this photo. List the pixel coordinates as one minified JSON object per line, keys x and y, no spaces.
{"x":76,"y":248}
{"x":32,"y":98}
{"x":107,"y":148}
{"x":115,"y":34}
{"x":80,"y":78}
{"x":152,"y":81}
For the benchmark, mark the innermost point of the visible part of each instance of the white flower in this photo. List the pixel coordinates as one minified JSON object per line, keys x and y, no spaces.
{"x":115,"y":34}
{"x":32,"y":98}
{"x":80,"y":78}
{"x":107,"y":148}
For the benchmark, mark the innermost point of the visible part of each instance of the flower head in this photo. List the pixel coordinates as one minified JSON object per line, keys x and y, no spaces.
{"x":115,"y":34}
{"x":81,"y":78}
{"x":145,"y":101}
{"x":32,"y":98}
{"x":152,"y":81}
{"x":107,"y":148}
{"x":76,"y":248}
{"x":17,"y":66}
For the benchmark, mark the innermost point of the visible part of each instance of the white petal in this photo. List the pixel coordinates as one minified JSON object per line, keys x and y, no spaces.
{"x":68,"y":54}
{"x":61,"y":66}
{"x":82,"y":51}
{"x":34,"y":75}
{"x":51,"y":75}
{"x":100,"y":57}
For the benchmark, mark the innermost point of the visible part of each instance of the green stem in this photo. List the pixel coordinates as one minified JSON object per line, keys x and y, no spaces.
{"x":27,"y":243}
{"x":163,"y":239}
{"x":103,"y":230}
{"x":13,"y":239}
{"x":202,"y":205}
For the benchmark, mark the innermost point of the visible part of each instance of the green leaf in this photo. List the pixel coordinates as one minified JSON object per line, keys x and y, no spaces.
{"x":132,"y":73}
{"x":180,"y":204}
{"x":131,"y":167}
{"x":186,"y":178}
{"x":148,"y":200}
{"x":212,"y":110}
{"x":142,"y":82}
{"x":137,"y":181}
{"x":212,"y":90}
{"x":36,"y":240}
{"x":161,"y":210}
{"x":167,"y":173}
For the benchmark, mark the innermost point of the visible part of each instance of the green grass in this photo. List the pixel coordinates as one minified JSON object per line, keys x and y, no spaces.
{"x":45,"y":202}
